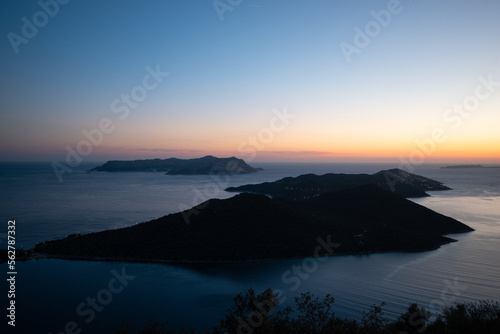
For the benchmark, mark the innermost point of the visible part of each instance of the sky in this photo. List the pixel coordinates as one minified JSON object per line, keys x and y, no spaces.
{"x":264,"y":80}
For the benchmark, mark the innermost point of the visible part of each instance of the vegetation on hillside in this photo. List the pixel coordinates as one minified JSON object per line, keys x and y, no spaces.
{"x":305,"y":186}
{"x":253,"y":313}
{"x":252,"y":227}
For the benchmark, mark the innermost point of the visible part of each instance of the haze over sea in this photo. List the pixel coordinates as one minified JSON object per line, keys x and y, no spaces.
{"x":49,"y":291}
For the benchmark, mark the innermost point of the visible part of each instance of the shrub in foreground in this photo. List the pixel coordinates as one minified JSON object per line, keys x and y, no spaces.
{"x":253,"y":313}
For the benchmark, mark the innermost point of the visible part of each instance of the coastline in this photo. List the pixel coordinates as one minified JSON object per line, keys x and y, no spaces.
{"x":37,"y":256}
{"x":169,"y":238}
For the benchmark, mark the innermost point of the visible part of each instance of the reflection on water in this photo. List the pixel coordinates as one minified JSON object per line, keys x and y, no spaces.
{"x":197,"y":295}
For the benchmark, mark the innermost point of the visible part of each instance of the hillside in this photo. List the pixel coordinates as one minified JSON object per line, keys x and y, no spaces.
{"x":173,"y":166}
{"x":255,"y":227}
{"x":305,"y":186}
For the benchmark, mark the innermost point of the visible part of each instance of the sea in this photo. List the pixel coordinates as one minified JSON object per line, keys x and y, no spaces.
{"x":63,"y":296}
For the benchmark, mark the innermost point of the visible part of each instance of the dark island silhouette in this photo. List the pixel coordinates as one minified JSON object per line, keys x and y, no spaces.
{"x":309,"y":185}
{"x":173,"y":166}
{"x":252,"y":227}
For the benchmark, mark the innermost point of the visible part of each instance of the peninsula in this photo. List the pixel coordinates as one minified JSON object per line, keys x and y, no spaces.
{"x":253,"y":227}
{"x":173,"y":166}
{"x":400,"y":182}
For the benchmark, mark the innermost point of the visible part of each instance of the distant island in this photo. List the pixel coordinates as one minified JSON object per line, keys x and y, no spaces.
{"x":306,"y":186}
{"x":253,"y":227}
{"x":173,"y":166}
{"x":467,"y":166}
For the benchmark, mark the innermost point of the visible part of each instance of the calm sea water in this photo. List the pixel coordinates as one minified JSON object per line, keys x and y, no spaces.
{"x":49,"y":292}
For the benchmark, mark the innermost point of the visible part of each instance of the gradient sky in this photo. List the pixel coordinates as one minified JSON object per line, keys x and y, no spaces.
{"x":227,"y":78}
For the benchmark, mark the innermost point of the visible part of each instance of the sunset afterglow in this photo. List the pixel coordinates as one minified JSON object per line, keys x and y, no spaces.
{"x":217,"y":87}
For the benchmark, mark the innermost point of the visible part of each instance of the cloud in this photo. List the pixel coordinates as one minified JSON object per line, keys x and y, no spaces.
{"x":301,"y":153}
{"x":169,"y":150}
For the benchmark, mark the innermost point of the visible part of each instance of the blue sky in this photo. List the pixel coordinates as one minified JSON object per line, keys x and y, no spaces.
{"x":226,"y":78}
